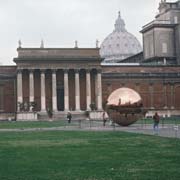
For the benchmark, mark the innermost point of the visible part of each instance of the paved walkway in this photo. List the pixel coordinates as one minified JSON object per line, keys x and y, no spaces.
{"x":164,"y":131}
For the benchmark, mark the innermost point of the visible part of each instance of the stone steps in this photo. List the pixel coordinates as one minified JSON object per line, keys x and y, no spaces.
{"x":62,"y":115}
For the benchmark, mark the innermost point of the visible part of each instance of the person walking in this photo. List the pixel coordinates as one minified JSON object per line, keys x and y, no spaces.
{"x":105,"y":118}
{"x":69,"y":116}
{"x":156,"y":119}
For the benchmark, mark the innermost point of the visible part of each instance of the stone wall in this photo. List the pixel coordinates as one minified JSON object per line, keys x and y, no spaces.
{"x":8,"y":89}
{"x":156,"y":89}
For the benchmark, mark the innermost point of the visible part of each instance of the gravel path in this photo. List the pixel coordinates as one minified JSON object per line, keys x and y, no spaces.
{"x":164,"y":131}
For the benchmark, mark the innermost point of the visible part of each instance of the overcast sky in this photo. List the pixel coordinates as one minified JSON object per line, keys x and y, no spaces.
{"x":60,"y":22}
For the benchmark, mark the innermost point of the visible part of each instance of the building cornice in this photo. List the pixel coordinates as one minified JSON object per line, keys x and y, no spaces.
{"x":151,"y":26}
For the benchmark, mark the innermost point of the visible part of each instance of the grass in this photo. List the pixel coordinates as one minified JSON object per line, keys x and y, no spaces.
{"x":35,"y":124}
{"x":59,"y":155}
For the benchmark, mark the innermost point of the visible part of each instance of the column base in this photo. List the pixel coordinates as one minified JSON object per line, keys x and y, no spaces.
{"x":43,"y":111}
{"x":55,"y":112}
{"x":78,"y":110}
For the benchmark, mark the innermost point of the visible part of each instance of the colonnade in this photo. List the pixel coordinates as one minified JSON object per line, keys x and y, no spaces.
{"x":98,"y":89}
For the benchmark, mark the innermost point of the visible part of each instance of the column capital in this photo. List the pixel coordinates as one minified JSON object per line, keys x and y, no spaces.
{"x":171,"y":83}
{"x":88,"y":70}
{"x":66,"y":70}
{"x":99,"y":70}
{"x":54,"y":71}
{"x":76,"y":70}
{"x":19,"y":70}
{"x":31,"y":70}
{"x":165,"y":83}
{"x":42,"y":70}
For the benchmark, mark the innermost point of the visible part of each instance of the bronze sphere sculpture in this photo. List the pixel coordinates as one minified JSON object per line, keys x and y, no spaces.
{"x":124,"y":106}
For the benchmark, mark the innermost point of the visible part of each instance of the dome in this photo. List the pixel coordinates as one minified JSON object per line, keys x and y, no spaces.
{"x":120,"y":44}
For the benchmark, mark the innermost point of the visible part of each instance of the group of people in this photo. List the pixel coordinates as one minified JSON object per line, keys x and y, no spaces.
{"x":156,"y":119}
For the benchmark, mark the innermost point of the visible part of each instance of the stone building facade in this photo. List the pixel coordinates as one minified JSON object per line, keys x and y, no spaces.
{"x":161,"y":40}
{"x":70,"y":79}
{"x":61,"y":79}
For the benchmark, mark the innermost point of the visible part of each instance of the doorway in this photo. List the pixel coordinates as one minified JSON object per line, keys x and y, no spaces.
{"x":60,"y":99}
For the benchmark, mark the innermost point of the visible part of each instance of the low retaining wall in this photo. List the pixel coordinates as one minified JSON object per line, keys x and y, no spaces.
{"x":26,"y":116}
{"x":96,"y":115}
{"x":163,"y":113}
{"x":7,"y":116}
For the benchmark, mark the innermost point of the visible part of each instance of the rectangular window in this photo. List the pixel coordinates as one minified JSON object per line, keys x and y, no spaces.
{"x":175,"y":20}
{"x":1,"y":98}
{"x":164,"y":47}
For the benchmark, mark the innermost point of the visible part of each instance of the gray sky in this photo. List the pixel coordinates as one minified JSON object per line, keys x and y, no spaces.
{"x":60,"y":22}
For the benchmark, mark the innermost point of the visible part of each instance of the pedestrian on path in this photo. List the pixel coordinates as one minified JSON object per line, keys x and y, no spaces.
{"x":156,"y":119}
{"x":69,"y":116}
{"x":105,"y":117}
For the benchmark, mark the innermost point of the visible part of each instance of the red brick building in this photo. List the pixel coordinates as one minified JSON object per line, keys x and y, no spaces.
{"x":71,"y":79}
{"x":63,"y":79}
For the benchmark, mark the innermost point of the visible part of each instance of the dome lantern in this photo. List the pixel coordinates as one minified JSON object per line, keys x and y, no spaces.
{"x":120,"y":24}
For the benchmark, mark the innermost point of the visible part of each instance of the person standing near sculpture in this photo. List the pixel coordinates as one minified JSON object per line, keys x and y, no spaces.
{"x":156,"y":119}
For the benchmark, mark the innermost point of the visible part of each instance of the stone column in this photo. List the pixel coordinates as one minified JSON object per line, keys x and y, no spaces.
{"x":165,"y":95}
{"x":77,"y":90}
{"x":19,"y":89}
{"x":43,"y":91}
{"x":54,"y":91}
{"x":99,"y":90}
{"x":66,"y":90}
{"x":172,"y":96}
{"x":151,"y":89}
{"x":88,"y":89}
{"x":31,"y":86}
{"x":96,"y":93}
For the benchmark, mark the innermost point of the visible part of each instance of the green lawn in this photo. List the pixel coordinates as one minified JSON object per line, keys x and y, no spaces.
{"x":36,"y":124}
{"x":59,"y":155}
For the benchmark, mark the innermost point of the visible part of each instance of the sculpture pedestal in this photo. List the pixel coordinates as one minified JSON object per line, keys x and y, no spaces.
{"x":26,"y":116}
